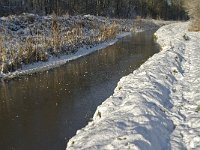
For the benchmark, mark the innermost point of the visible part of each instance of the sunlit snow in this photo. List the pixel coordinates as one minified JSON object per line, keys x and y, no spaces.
{"x":155,"y":107}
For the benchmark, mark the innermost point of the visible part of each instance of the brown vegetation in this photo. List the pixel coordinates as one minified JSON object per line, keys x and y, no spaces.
{"x":193,"y":9}
{"x":108,"y":32}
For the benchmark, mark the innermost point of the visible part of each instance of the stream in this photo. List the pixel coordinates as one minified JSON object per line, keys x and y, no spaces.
{"x":43,"y":111}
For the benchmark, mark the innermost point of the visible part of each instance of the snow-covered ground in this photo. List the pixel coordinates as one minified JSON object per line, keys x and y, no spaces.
{"x":155,"y":107}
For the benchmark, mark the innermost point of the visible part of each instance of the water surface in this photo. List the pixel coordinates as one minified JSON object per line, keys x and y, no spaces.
{"x":42,"y":111}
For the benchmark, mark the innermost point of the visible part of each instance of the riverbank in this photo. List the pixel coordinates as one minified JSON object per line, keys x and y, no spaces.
{"x":30,"y":43}
{"x":155,"y":107}
{"x":61,"y":60}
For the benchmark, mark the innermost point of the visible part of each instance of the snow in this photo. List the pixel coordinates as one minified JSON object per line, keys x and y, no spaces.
{"x":155,"y":107}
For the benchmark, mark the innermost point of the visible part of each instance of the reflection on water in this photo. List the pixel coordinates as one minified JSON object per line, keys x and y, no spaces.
{"x":41,"y":112}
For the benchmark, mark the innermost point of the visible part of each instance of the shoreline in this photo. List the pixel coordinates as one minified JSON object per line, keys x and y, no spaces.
{"x":156,"y":106}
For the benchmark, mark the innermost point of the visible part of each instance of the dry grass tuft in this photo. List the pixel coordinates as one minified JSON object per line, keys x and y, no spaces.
{"x":195,"y":26}
{"x":108,"y":32}
{"x":193,"y":9}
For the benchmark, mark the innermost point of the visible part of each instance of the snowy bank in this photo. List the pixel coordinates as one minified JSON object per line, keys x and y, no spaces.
{"x":30,"y":43}
{"x":29,"y":38}
{"x":61,"y":60}
{"x":155,"y":107}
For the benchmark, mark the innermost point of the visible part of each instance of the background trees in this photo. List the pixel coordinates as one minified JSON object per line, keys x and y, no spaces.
{"x":166,"y":9}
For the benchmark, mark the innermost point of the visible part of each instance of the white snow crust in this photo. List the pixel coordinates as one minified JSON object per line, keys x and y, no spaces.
{"x":155,"y":107}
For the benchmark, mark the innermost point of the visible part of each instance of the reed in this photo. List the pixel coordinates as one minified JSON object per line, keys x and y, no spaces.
{"x":108,"y":32}
{"x":3,"y":55}
{"x":56,"y":37}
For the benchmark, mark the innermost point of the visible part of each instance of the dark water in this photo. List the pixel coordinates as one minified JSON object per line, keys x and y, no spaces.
{"x":41,"y":112}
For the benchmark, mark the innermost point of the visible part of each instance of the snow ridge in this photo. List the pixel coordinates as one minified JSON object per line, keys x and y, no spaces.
{"x":155,"y":107}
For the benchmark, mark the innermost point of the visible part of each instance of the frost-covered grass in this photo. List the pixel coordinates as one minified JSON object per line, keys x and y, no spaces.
{"x":31,"y":40}
{"x":155,"y":107}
